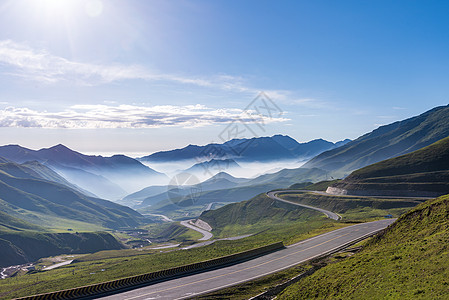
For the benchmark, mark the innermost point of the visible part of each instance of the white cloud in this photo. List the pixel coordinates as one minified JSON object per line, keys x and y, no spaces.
{"x":129,"y":116}
{"x":40,"y":65}
{"x":289,"y":98}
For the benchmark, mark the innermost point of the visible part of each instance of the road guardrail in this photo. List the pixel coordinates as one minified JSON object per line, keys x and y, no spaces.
{"x":127,"y":283}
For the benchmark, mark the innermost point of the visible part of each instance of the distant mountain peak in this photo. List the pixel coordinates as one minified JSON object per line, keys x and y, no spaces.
{"x":268,"y":148}
{"x":60,"y":147}
{"x":227,"y":176}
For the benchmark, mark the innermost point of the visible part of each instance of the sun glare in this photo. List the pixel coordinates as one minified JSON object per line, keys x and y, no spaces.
{"x":94,"y":8}
{"x":64,"y":8}
{"x":56,"y":6}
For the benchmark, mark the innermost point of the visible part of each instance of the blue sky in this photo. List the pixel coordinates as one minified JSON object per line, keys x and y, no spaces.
{"x":140,"y":76}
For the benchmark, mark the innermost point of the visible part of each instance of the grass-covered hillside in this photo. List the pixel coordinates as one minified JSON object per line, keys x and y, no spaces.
{"x":26,"y":195}
{"x":319,"y":186}
{"x":268,"y":219}
{"x":28,"y":246}
{"x":355,"y":208}
{"x":424,"y":170}
{"x":40,"y":217}
{"x":10,"y":223}
{"x":259,"y":209}
{"x":22,"y":242}
{"x":410,"y":260}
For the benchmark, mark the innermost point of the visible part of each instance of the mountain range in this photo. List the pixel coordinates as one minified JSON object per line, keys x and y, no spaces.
{"x":423,"y":172}
{"x":385,"y":142}
{"x":40,"y":212}
{"x":106,"y":177}
{"x":277,"y":147}
{"x":153,"y":194}
{"x":226,"y":188}
{"x":29,"y":196}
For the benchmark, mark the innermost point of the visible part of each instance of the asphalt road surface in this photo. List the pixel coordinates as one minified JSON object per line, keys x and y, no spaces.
{"x":206,"y":234}
{"x":67,"y":262}
{"x":165,"y":218}
{"x":328,"y":213}
{"x":185,"y":287}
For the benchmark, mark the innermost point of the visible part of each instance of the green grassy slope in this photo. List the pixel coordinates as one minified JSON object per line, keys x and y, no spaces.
{"x":263,"y":216}
{"x":426,"y":169}
{"x":25,"y":195}
{"x":22,"y":242}
{"x":34,"y":209}
{"x":317,"y":186}
{"x":48,"y":174}
{"x":386,"y":142}
{"x":409,"y":261}
{"x":27,"y":199}
{"x":10,"y":223}
{"x":27,"y":246}
{"x":36,"y":170}
{"x":259,"y":209}
{"x":355,"y":208}
{"x":434,"y":157}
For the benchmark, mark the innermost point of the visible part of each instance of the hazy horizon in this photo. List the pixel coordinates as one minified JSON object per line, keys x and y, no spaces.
{"x":131,"y":154}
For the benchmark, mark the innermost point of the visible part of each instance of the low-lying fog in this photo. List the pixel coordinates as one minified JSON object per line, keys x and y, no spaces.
{"x":244,"y":170}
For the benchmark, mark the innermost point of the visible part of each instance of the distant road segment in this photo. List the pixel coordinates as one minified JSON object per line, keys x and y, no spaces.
{"x":201,"y":283}
{"x":165,"y":218}
{"x":328,"y":213}
{"x":68,"y":262}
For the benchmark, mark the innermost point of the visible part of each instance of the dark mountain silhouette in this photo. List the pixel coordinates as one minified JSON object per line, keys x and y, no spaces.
{"x":221,"y":180}
{"x":277,"y":147}
{"x":226,"y":176}
{"x":213,"y":166}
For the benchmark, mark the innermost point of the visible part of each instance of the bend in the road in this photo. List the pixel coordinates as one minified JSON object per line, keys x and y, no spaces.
{"x":329,"y":214}
{"x":206,"y":234}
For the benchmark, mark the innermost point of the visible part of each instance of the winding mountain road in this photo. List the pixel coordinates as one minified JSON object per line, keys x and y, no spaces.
{"x":205,"y":282}
{"x":212,"y":280}
{"x":206,"y":234}
{"x":328,"y":213}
